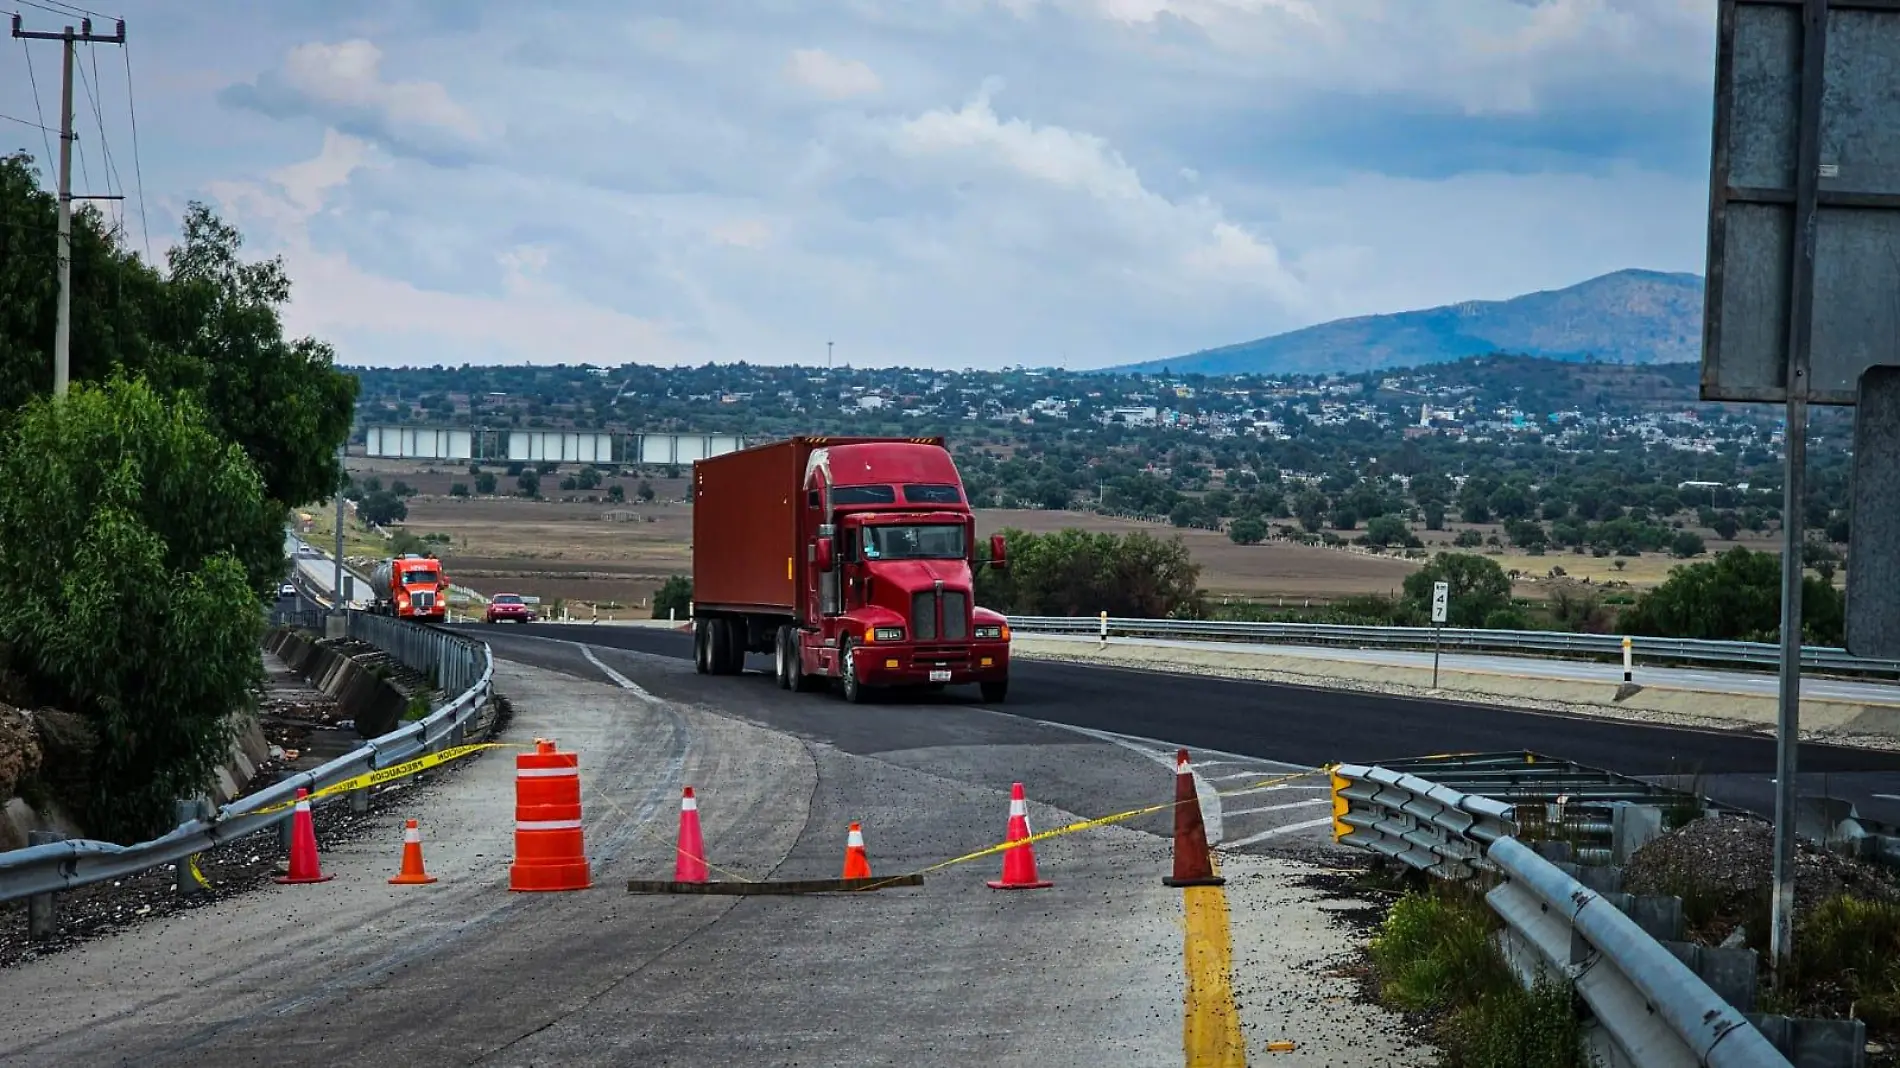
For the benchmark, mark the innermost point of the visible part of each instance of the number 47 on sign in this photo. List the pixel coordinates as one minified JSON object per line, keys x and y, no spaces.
{"x":1441,"y":603}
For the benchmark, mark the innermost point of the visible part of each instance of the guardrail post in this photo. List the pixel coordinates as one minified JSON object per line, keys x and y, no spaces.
{"x":42,"y":912}
{"x":184,"y":812}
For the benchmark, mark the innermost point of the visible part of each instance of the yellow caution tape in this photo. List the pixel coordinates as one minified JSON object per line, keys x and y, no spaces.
{"x":1103,"y":821}
{"x":383,"y":775}
{"x":196,"y":873}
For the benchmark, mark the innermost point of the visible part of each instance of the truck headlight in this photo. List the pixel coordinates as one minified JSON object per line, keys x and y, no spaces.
{"x":886,"y":634}
{"x":992,"y":632}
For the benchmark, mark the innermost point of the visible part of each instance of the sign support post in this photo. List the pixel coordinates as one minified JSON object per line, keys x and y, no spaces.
{"x":1441,"y":603}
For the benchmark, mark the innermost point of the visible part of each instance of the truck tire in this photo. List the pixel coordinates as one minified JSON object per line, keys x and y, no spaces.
{"x":702,"y":647}
{"x":994,"y":692}
{"x":718,"y":647}
{"x":784,"y":660}
{"x":848,"y":683}
{"x":735,"y":647}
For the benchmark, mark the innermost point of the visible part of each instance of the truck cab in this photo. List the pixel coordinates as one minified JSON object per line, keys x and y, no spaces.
{"x":892,"y":590}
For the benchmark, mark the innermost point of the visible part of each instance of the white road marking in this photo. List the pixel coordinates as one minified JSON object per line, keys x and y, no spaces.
{"x":619,"y":680}
{"x":1277,"y":831}
{"x":1203,"y":790}
{"x":1888,"y":797}
{"x":1280,"y":808}
{"x":1276,"y":786}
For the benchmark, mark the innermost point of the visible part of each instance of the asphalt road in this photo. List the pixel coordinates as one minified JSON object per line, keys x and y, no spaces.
{"x":1312,"y":726}
{"x":1088,"y":972}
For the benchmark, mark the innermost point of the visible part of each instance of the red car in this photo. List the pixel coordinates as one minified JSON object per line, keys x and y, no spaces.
{"x":508,"y":606}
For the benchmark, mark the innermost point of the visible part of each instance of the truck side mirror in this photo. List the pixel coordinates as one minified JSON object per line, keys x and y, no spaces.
{"x":999,"y":552}
{"x":823,"y":559}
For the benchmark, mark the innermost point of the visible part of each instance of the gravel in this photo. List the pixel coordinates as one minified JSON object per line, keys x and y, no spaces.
{"x":1723,"y":868}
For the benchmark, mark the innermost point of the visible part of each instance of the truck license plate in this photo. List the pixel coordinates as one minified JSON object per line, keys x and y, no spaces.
{"x":940,"y":675}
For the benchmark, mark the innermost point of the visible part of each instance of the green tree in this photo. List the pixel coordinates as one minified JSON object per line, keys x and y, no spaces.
{"x":1387,"y":530}
{"x":587,"y":478}
{"x":1687,"y":543}
{"x":675,"y":595}
{"x":1735,"y":596}
{"x":123,"y":523}
{"x":485,"y":483}
{"x":1478,"y":587}
{"x":208,"y":326}
{"x":1075,"y":572}
{"x":382,"y":508}
{"x":529,"y":483}
{"x":459,"y":489}
{"x":617,"y":493}
{"x":1246,"y":531}
{"x":645,"y":490}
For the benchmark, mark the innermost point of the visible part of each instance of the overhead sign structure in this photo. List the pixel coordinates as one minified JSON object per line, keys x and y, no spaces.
{"x":1803,"y":299}
{"x":1804,"y":200}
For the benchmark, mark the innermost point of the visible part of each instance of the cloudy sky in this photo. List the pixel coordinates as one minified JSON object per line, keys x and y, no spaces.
{"x":929,"y":182}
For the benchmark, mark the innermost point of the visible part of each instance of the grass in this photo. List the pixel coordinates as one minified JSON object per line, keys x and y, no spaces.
{"x":1435,"y":957}
{"x":1848,"y":949}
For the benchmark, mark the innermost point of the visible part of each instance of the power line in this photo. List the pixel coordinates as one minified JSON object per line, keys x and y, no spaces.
{"x":138,"y":171}
{"x":38,"y":108}
{"x":41,"y":127}
{"x":63,"y":9}
{"x":115,"y":185}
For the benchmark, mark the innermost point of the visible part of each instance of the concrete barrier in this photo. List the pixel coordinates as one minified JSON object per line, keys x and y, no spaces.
{"x":375,"y":703}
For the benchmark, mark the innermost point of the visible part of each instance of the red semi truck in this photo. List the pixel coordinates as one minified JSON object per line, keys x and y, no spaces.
{"x":411,"y":587}
{"x":845,"y":558}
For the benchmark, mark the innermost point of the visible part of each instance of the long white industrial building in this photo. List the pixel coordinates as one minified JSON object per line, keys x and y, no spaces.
{"x":533,"y":446}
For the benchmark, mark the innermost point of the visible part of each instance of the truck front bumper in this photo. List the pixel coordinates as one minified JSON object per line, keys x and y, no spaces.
{"x":911,"y":665}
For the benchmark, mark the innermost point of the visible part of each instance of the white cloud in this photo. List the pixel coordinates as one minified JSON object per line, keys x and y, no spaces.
{"x":830,"y":76}
{"x":1192,"y":236}
{"x":349,"y":74}
{"x":530,"y":319}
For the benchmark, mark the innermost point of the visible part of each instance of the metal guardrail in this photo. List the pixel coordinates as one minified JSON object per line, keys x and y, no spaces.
{"x":1507,"y":642}
{"x":459,"y":665}
{"x":1650,"y":1005}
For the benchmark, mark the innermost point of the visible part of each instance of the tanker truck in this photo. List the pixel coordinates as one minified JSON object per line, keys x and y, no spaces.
{"x":848,"y":560}
{"x":411,"y":587}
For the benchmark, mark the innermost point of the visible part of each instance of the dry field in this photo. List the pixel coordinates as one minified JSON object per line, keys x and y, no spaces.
{"x":1268,"y":570}
{"x":570,"y":550}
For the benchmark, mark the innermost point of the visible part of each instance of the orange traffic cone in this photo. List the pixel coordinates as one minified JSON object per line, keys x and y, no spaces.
{"x":412,"y":873}
{"x":857,"y":865}
{"x":1193,"y":862}
{"x":1019,"y":860}
{"x":690,"y":867}
{"x":303,"y":845}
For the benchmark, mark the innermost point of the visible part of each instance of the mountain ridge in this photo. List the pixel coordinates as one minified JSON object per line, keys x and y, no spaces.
{"x":1631,"y":316}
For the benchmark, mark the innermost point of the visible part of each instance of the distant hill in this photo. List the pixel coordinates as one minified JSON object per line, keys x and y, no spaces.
{"x":1630,"y":317}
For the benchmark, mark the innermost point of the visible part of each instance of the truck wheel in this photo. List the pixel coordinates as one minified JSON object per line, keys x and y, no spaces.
{"x":848,"y":675}
{"x":718,"y":647}
{"x":994,"y":692}
{"x":735,"y":631}
{"x":784,"y":661}
{"x":702,"y":648}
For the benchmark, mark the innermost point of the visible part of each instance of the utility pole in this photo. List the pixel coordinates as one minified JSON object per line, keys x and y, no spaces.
{"x":342,"y":479}
{"x":827,"y":357}
{"x":63,"y":327}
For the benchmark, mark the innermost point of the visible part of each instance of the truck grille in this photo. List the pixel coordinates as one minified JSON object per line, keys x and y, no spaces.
{"x":928,"y":625}
{"x":423,"y":599}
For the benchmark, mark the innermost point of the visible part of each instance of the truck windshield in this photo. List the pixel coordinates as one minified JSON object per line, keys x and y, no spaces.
{"x":933,"y":541}
{"x":411,"y":578}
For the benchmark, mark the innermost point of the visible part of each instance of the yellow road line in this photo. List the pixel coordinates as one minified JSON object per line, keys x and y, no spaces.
{"x":1210,"y":1022}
